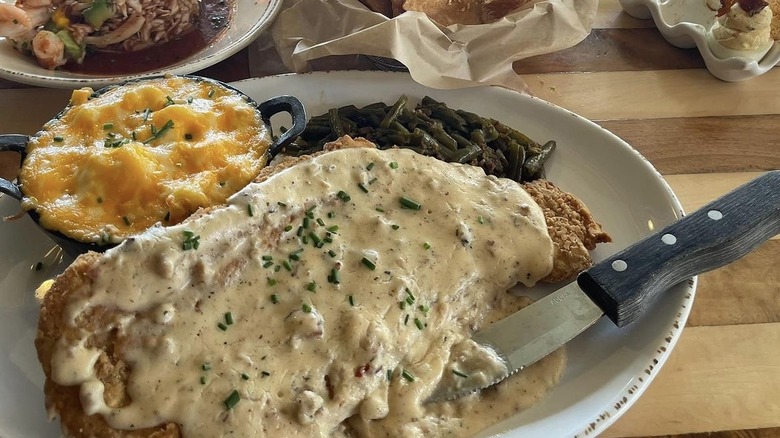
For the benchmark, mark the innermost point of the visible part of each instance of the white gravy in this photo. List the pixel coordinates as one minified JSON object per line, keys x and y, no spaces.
{"x":254,"y":310}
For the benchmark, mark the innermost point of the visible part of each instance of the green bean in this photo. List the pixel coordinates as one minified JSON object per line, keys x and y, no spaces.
{"x":465,"y":155}
{"x":478,"y":136}
{"x":398,"y":126}
{"x":394,"y":111}
{"x":515,"y":158}
{"x":462,"y":141}
{"x":437,"y":132}
{"x":335,"y":123}
{"x":533,"y":165}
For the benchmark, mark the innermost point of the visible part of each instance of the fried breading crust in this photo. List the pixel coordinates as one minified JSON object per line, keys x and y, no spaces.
{"x":570,"y":224}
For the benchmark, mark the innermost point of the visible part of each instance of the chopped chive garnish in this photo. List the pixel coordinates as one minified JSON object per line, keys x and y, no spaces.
{"x":331,"y":215}
{"x":409,"y":203}
{"x":368,"y":263}
{"x":402,"y":305}
{"x":168,"y":125}
{"x":333,"y":228}
{"x":331,"y":253}
{"x":363,"y":187}
{"x":287,"y":265}
{"x":426,"y":245}
{"x":277,"y":268}
{"x":229,"y":318}
{"x":395,"y":227}
{"x":315,"y":238}
{"x":58,"y":138}
{"x":459,"y":374}
{"x":265,"y":373}
{"x":169,"y":101}
{"x":480,"y":219}
{"x":202,"y":380}
{"x":222,"y":326}
{"x":267,"y":257}
{"x":188,"y":136}
{"x":211,"y":93}
{"x":191,"y":241}
{"x":343,"y":196}
{"x":250,"y":210}
{"x":108,"y":125}
{"x":132,"y":134}
{"x":268,"y":264}
{"x":407,"y":375}
{"x":372,"y":181}
{"x":418,"y":323}
{"x":409,"y":301}
{"x":167,"y":216}
{"x":334,"y":276}
{"x":306,"y":308}
{"x":244,"y":376}
{"x":232,"y":400}
{"x":351,"y":300}
{"x":99,"y":200}
{"x":320,"y":222}
{"x":305,"y":239}
{"x":370,"y":166}
{"x":406,"y":318}
{"x":288,"y":228}
{"x":38,"y":266}
{"x":147,"y":112}
{"x":423,"y":309}
{"x":328,"y":238}
{"x":206,"y":366}
{"x":389,"y":375}
{"x":380,"y":209}
{"x":306,"y":222}
{"x":274,"y":298}
{"x":295,"y":255}
{"x":393,"y":165}
{"x":410,"y":294}
{"x":126,"y":220}
{"x":271,"y":281}
{"x":281,"y":204}
{"x":311,"y":287}
{"x":299,"y":232}
{"x":189,"y":99}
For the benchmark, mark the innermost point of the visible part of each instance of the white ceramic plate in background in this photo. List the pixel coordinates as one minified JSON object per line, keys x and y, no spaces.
{"x":685,"y":24}
{"x":608,"y":368}
{"x":248,"y":19}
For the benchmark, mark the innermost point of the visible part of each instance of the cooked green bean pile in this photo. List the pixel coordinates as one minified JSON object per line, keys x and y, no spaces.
{"x":433,"y":129}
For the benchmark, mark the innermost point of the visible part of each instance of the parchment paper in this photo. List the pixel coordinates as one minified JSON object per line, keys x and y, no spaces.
{"x":437,"y":56}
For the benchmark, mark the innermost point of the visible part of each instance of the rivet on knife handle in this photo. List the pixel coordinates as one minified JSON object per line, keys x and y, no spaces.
{"x":625,"y":285}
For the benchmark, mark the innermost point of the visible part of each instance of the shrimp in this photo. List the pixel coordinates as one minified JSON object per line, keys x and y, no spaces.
{"x":48,"y":49}
{"x":14,"y":21}
{"x":17,"y":20}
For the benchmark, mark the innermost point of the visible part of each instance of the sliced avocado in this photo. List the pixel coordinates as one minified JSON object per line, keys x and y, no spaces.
{"x":98,"y":13}
{"x":72,"y":48}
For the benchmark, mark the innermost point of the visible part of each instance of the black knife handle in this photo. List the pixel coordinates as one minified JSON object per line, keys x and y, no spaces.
{"x":626,"y":284}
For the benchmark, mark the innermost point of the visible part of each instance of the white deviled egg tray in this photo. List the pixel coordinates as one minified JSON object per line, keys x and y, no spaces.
{"x":686,"y":23}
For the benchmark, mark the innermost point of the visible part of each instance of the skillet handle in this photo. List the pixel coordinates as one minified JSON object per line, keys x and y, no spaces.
{"x":280,"y":104}
{"x":12,"y":143}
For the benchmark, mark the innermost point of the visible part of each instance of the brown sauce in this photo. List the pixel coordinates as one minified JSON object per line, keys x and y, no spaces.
{"x":212,"y":21}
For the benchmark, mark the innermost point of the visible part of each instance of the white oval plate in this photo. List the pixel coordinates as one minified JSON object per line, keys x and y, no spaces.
{"x":608,"y":368}
{"x":248,"y":19}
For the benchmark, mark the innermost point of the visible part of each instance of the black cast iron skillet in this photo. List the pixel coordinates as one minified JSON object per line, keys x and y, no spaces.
{"x":18,"y":143}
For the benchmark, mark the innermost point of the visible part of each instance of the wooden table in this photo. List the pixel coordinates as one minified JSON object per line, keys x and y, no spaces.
{"x":705,"y":136}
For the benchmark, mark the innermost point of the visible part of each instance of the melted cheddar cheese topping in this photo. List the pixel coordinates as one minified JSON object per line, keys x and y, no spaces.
{"x":154,"y":151}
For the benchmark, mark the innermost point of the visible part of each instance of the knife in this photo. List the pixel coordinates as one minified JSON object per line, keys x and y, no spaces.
{"x":624,"y":286}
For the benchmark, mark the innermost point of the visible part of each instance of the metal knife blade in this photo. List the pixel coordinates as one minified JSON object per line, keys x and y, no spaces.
{"x":624,"y":286}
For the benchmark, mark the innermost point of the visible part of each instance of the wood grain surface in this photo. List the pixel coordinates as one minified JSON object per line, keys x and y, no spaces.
{"x":705,"y":136}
